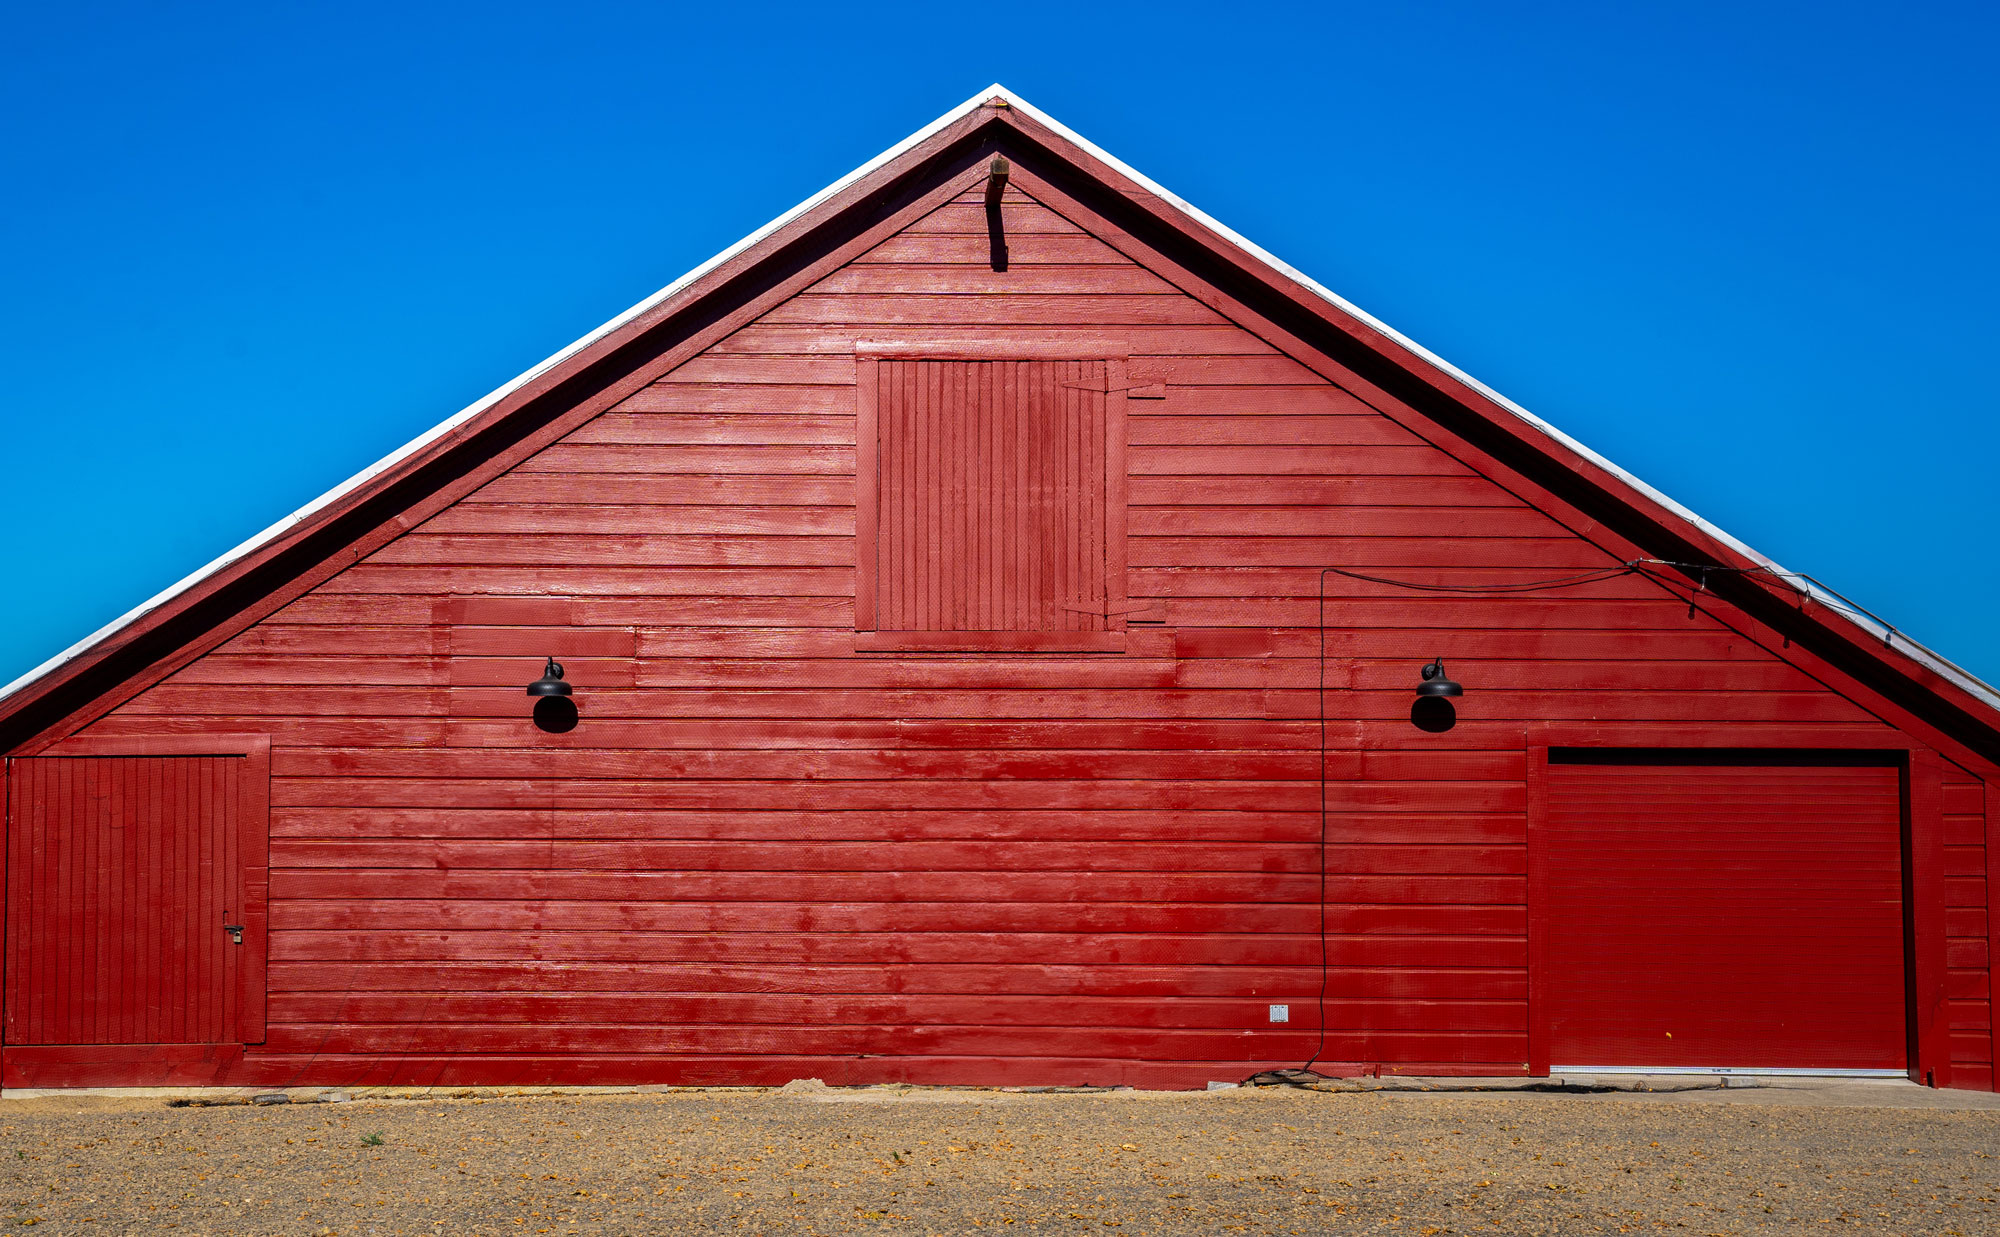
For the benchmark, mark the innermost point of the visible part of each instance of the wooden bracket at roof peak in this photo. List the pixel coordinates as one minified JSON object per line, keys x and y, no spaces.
{"x":996,"y":187}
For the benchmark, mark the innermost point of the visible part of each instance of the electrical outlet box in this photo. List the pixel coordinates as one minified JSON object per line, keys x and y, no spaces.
{"x":1281,"y":1013}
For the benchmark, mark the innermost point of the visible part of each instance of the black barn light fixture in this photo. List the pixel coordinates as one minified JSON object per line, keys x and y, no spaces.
{"x":551,"y":683}
{"x":1436,"y":684}
{"x":555,"y":711}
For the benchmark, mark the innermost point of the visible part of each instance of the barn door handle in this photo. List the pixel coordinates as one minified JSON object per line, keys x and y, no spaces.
{"x":235,"y":931}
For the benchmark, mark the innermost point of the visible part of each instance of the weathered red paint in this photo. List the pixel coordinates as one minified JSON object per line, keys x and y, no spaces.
{"x":787,"y":840}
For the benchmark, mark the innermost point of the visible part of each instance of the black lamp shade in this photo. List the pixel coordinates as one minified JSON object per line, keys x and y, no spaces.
{"x":551,"y":683}
{"x":1436,"y":684}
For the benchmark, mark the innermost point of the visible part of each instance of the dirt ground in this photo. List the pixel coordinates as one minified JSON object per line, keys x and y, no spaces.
{"x":1270,"y":1160}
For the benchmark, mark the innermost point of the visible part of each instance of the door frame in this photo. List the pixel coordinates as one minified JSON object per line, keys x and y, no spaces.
{"x":253,"y":840}
{"x":1929,"y":1053}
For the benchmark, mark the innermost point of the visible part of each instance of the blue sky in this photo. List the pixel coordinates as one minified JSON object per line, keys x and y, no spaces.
{"x":1745,"y":250}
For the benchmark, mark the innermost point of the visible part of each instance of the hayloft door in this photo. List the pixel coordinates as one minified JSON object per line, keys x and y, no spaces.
{"x":135,"y":894}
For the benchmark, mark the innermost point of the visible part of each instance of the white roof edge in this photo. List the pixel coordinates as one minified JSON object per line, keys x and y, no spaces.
{"x":1891,"y":637}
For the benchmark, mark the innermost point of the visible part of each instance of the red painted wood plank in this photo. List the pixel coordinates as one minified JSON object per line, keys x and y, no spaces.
{"x":722,"y":734}
{"x":735,"y":1011}
{"x":1077,"y":794}
{"x":1505,"y":885}
{"x":1243,"y":429}
{"x":1097,"y":310}
{"x":1024,"y":250}
{"x":1287,"y":397}
{"x":887,"y":919}
{"x":847,"y":765}
{"x":655,"y":428}
{"x":1548,"y":553}
{"x":719,"y":368}
{"x":1432,"y":984}
{"x":226,"y":1065}
{"x":1313,"y":460}
{"x":719,"y":493}
{"x":633,"y":518}
{"x":856,"y":856}
{"x":1017,"y":218}
{"x":693,"y":459}
{"x":1422,"y":858}
{"x":1266,"y":949}
{"x":883,"y":826}
{"x":614,"y":887}
{"x":341,"y":977}
{"x":1963,"y":799}
{"x":598,"y":580}
{"x":998,"y":672}
{"x":1379,"y":488}
{"x":1270,"y":369}
{"x":1639,"y":603}
{"x":886,"y":1040}
{"x":944,"y":339}
{"x":882,"y":278}
{"x":1298,"y":520}
{"x":1963,"y":984}
{"x":254,"y":701}
{"x":712,"y":399}
{"x":619,"y":550}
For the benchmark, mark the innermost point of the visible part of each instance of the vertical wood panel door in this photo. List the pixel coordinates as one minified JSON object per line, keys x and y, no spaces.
{"x":991,"y":499}
{"x":1718,"y":916}
{"x":125,"y":874}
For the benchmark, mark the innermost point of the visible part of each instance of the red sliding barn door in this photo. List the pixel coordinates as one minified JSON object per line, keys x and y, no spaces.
{"x":1724,"y":915}
{"x":125,"y":874}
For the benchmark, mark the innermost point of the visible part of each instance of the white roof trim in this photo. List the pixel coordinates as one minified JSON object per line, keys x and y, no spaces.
{"x":1867,"y":623}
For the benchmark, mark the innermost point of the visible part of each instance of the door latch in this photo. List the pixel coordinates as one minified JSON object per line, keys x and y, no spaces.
{"x":235,"y":931}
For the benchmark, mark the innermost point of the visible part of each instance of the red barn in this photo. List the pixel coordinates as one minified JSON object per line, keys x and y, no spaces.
{"x":995,"y":598}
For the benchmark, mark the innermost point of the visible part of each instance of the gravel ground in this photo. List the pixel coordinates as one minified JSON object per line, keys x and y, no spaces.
{"x":1271,"y":1160}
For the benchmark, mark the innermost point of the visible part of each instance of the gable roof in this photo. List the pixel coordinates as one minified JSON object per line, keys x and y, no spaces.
{"x":162,"y":630}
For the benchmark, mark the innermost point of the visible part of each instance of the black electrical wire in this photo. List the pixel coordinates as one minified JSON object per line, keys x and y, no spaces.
{"x":1305,"y":1075}
{"x":1529,"y":586}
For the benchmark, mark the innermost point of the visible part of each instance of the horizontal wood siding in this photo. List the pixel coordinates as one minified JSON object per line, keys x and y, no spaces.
{"x":765,"y":851}
{"x":1968,"y":930}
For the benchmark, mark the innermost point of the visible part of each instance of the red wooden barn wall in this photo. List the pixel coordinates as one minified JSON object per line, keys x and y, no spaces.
{"x":762,"y":855}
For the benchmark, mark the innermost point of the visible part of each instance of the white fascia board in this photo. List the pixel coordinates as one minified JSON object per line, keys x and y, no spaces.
{"x":1866,"y":623}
